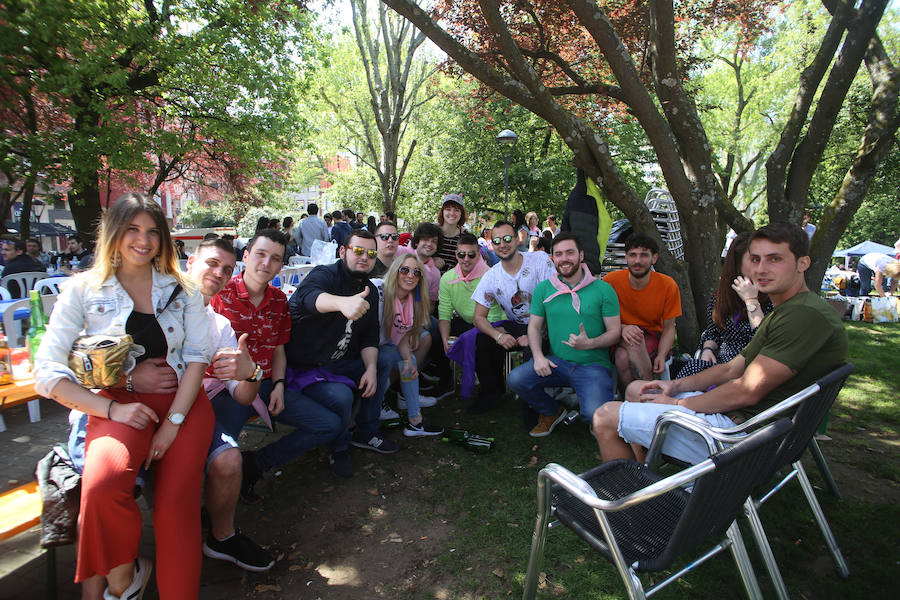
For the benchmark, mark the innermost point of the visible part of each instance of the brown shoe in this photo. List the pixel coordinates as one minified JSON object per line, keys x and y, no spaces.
{"x":546,"y":423}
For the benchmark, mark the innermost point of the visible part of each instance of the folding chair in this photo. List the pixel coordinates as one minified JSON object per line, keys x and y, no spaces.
{"x":641,"y":522}
{"x":806,"y":409}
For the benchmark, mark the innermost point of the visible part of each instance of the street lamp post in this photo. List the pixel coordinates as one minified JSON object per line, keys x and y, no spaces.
{"x":506,"y":141}
{"x":37,"y":209}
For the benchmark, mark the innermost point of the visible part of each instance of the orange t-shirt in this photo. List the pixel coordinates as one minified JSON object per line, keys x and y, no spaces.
{"x":650,"y":306}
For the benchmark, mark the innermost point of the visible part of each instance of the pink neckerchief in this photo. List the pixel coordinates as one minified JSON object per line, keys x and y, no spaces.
{"x":477,"y":271}
{"x":403,"y":318}
{"x":562,"y":288}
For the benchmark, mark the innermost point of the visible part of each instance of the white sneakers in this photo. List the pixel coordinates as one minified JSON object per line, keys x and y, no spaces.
{"x":135,"y":590}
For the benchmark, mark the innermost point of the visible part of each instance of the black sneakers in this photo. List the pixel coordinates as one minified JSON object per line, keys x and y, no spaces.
{"x":240,"y":550}
{"x":341,"y":464}
{"x":377,"y":444}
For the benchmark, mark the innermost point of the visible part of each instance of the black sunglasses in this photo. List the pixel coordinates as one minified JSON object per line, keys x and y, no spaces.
{"x":470,"y":254}
{"x":389,"y":236}
{"x":405,"y":271}
{"x":505,"y":238}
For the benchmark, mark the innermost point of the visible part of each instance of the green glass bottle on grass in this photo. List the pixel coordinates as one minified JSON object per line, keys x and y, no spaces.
{"x":38,"y":323}
{"x":471,"y":441}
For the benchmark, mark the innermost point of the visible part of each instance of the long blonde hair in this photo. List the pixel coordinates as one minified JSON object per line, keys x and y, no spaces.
{"x":422,"y":306}
{"x":115,"y":222}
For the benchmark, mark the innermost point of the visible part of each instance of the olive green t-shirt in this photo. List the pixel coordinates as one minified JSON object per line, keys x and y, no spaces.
{"x":803,"y":333}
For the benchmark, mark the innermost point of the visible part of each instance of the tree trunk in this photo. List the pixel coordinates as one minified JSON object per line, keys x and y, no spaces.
{"x":27,"y":197}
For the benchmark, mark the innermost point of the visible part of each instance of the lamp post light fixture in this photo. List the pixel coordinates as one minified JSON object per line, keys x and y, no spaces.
{"x":37,"y":209}
{"x":506,"y":141}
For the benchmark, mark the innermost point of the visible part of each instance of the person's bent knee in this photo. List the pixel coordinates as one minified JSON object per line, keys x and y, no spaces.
{"x":633,"y":391}
{"x":607,"y":417}
{"x":226,"y":465}
{"x":517,"y":379}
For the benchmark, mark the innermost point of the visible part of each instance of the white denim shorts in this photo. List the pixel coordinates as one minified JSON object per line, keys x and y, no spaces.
{"x":637,"y":422}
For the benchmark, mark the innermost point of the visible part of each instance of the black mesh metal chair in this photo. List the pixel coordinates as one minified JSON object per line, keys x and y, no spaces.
{"x":641,"y":522}
{"x":806,"y":409}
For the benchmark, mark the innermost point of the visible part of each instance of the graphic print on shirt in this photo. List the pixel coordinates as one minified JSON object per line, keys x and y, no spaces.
{"x":521,"y":305}
{"x":344,"y":343}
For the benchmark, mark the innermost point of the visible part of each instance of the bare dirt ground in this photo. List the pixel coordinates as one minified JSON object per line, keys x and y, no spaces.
{"x":372,"y":536}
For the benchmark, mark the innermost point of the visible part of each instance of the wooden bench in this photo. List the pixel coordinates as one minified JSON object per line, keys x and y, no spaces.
{"x":20,"y":510}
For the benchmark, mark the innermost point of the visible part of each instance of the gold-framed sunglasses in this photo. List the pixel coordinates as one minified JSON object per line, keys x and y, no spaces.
{"x":359,"y":251}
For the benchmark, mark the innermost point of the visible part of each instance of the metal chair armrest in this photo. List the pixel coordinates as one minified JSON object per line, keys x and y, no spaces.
{"x":770,"y":414}
{"x":715,"y":438}
{"x":583,"y":492}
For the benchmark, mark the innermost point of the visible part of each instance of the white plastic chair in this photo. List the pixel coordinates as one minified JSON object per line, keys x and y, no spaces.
{"x":50,"y":285}
{"x":4,"y":294}
{"x":13,"y":327}
{"x":24,"y":281}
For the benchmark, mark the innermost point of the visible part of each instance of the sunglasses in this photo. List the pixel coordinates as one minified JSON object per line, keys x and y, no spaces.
{"x":404,"y":270}
{"x":506,"y":238}
{"x":359,"y":251}
{"x":389,"y":236}
{"x":470,"y":254}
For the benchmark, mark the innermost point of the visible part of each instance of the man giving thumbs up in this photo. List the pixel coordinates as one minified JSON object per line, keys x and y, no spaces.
{"x":582,"y":317}
{"x":333,"y":350}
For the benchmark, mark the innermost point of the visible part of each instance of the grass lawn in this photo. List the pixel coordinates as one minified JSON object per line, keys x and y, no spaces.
{"x":490,"y":501}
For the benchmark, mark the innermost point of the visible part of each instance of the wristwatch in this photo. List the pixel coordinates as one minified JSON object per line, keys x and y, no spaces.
{"x":175,"y":418}
{"x":752,"y":307}
{"x":257,"y":375}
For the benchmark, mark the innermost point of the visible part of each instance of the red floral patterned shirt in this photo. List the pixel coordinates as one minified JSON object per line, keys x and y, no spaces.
{"x":268,"y":325}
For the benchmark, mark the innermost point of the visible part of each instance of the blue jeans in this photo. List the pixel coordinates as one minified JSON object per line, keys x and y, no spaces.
{"x":865,"y":279}
{"x":318,"y":416}
{"x":388,"y":357}
{"x":368,"y":412}
{"x":592,"y":383}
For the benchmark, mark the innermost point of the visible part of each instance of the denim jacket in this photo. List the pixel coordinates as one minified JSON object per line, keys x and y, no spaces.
{"x":83,"y":309}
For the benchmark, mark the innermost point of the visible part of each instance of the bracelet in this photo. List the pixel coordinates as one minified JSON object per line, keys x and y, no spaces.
{"x":109,"y":409}
{"x":499,"y":335}
{"x":284,"y":381}
{"x":129,"y":383}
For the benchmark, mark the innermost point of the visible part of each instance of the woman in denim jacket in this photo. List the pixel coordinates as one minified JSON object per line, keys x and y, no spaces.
{"x":131,"y":289}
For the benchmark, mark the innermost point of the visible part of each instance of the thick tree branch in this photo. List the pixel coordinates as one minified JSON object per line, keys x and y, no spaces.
{"x":810,"y":78}
{"x":812,"y":146}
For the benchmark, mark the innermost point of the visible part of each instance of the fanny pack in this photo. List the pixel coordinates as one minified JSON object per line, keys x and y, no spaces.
{"x":98,"y":361}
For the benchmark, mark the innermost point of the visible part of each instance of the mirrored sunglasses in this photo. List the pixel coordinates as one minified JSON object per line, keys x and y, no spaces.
{"x":506,"y":238}
{"x":470,"y":254}
{"x":405,"y":271}
{"x":359,"y":251}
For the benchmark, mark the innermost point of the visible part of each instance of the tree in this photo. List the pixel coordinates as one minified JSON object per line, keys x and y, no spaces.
{"x":575,"y":63}
{"x":375,"y":123}
{"x":146,"y":87}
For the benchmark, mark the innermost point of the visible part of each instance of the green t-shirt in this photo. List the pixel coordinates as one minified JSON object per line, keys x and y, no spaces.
{"x":457,"y":297}
{"x":805,"y":334}
{"x":598,"y":300}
